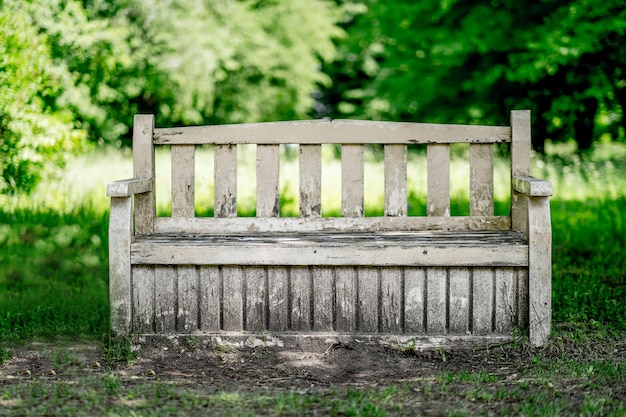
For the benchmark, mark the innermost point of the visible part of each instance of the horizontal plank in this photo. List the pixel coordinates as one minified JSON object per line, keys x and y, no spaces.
{"x":533,"y":187}
{"x":129,"y":187}
{"x":372,"y":249}
{"x":244,"y":339}
{"x":335,"y":131}
{"x":329,"y":224}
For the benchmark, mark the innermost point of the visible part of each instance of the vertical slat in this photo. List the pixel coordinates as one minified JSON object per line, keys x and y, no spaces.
{"x":395,"y":180}
{"x":436,"y":294}
{"x":352,"y":182}
{"x":310,"y":180}
{"x":255,"y":299}
{"x":520,"y":143}
{"x":210,"y":298}
{"x":506,"y":306}
{"x":143,"y":167}
{"x":438,"y":181}
{"x":183,"y":178}
{"x":165,"y":298}
{"x":267,"y":177}
{"x":391,"y":303}
{"x":414,"y":282}
{"x":225,"y":181}
{"x":143,"y":298}
{"x":187,"y":317}
{"x":120,"y":238}
{"x":278,"y":287}
{"x":323,"y":283}
{"x":300,"y":297}
{"x":522,"y":297}
{"x":520,"y":166}
{"x":481,"y":179}
{"x":459,"y":300}
{"x":368,"y":298}
{"x":482,"y":300}
{"x":345,"y":296}
{"x":232,"y":298}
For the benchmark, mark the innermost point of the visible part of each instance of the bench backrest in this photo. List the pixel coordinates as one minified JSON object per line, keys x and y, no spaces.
{"x":309,"y":135}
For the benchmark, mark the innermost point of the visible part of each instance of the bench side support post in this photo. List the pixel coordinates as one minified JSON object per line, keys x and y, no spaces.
{"x":531,"y":216}
{"x":143,"y":167}
{"x":120,"y":238}
{"x":539,"y":270}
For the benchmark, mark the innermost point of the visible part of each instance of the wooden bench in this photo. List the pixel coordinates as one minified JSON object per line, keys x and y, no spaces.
{"x":435,"y":279}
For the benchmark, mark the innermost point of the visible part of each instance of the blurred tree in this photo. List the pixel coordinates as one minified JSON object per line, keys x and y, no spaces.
{"x":461,"y":61}
{"x":33,"y":133}
{"x":188,"y":61}
{"x":71,"y":68}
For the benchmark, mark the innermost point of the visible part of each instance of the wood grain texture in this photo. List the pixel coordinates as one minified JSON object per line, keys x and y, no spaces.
{"x":459,"y":300}
{"x":482,"y":300}
{"x":352,"y":180}
{"x":300,"y":292}
{"x":310,"y":180}
{"x":183,"y":180}
{"x":225,"y":181}
{"x":436,"y":296}
{"x":346,"y":298}
{"x":255,"y":295}
{"x":323,"y":283}
{"x":368,"y":290}
{"x":335,"y":131}
{"x":120,"y":238}
{"x":278,"y":287}
{"x":390,"y":249}
{"x":166,"y":298}
{"x":395,"y":180}
{"x":438,"y":179}
{"x":330,"y":225}
{"x":391,"y":300}
{"x":187,"y":314}
{"x":210,"y":298}
{"x":506,"y":300}
{"x":414,"y":300}
{"x":267,"y":181}
{"x":143,"y":299}
{"x":481,"y":180}
{"x":232,"y":298}
{"x":143,"y":167}
{"x":539,"y":270}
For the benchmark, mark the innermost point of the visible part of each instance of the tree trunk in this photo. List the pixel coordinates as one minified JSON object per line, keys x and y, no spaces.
{"x":583,"y":126}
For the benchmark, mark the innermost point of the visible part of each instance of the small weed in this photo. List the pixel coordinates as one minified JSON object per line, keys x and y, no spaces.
{"x":5,"y":355}
{"x":118,"y":349}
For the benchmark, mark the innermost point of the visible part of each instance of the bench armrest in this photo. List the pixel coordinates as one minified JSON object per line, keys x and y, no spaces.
{"x":129,"y":187}
{"x":532,"y":187}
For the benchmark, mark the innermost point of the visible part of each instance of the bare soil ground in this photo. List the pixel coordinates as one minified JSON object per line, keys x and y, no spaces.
{"x":312,"y":364}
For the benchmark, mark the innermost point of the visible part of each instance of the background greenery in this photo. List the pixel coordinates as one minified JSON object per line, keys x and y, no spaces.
{"x":74,"y":72}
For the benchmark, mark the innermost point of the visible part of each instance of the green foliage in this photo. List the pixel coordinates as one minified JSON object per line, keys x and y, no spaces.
{"x":53,"y":274}
{"x":453,"y":61}
{"x":75,"y":69}
{"x":188,"y":61}
{"x":32,"y":132}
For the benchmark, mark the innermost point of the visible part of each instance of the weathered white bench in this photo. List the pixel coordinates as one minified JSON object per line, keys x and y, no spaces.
{"x":435,"y":279}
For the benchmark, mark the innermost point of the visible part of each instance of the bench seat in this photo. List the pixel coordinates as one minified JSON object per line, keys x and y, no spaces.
{"x":419,"y":248}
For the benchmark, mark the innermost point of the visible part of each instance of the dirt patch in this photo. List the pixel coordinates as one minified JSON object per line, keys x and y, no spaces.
{"x":311,"y":365}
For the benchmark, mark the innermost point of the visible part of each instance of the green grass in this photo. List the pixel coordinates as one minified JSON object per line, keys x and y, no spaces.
{"x":53,"y":285}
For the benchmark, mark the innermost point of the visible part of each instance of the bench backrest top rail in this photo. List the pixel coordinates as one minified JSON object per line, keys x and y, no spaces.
{"x":326,"y":131}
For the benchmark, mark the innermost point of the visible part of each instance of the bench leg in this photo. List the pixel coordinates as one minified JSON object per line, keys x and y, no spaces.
{"x":120,"y":238}
{"x":540,"y":270}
